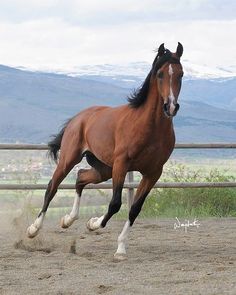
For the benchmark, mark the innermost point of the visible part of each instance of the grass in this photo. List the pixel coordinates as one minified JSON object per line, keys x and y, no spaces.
{"x":192,"y":202}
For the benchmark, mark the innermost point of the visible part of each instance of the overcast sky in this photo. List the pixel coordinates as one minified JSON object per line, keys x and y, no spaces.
{"x":60,"y":34}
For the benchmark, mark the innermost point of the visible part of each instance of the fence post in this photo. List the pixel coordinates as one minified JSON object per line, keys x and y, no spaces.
{"x":130,"y":190}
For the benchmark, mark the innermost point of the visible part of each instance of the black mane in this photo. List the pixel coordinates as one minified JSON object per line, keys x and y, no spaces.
{"x":139,"y":96}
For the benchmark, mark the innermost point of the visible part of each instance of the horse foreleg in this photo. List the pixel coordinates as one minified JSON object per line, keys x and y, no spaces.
{"x":118,"y":177}
{"x":143,"y":190}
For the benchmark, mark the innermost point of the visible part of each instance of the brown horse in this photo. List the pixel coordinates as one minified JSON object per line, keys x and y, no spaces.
{"x":138,"y":136}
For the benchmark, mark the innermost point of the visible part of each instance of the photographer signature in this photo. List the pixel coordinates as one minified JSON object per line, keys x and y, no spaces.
{"x":187,"y":224}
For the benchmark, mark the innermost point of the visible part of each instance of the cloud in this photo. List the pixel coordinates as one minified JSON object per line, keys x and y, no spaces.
{"x":57,"y":34}
{"x":106,"y":12}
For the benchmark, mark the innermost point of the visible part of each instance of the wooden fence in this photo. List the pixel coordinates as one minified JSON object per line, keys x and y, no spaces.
{"x":129,"y":184}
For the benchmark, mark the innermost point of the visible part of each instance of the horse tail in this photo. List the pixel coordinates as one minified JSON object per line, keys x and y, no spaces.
{"x":55,"y":144}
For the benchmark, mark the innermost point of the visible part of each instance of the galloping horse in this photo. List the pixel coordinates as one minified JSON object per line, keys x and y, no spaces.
{"x":138,"y":136}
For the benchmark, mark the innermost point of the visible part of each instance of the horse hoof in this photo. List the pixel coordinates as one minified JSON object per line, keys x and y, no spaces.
{"x":90,"y":224}
{"x":120,"y":257}
{"x":66,"y":221}
{"x":32,"y":231}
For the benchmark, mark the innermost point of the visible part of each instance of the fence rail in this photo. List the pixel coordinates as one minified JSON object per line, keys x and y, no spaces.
{"x":127,"y":185}
{"x":5,"y":146}
{"x":130,"y":185}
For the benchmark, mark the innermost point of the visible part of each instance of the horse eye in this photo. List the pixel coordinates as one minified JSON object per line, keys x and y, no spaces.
{"x":160,"y":75}
{"x":180,"y":76}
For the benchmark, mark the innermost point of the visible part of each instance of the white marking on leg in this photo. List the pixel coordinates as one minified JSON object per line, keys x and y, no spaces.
{"x":171,"y":96}
{"x":95,"y":223}
{"x":121,"y":250}
{"x":74,"y":214}
{"x":33,"y":230}
{"x":68,"y":219}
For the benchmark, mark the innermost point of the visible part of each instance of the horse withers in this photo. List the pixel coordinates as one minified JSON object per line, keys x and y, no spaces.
{"x":138,"y":136}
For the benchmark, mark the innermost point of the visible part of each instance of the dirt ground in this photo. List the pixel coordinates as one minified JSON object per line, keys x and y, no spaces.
{"x":161,"y":259}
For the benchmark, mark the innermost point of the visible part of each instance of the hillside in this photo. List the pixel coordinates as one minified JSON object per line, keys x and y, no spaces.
{"x":34,"y":105}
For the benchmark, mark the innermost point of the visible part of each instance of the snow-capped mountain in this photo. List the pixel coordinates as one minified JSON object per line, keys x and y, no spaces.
{"x":193,"y":71}
{"x":141,"y":69}
{"x":131,"y":74}
{"x":137,"y":69}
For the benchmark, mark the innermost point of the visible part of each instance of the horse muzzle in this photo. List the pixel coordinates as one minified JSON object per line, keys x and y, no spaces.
{"x":170,"y":109}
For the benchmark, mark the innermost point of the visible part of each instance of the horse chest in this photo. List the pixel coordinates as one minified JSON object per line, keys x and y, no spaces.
{"x":151,"y":153}
{"x":151,"y":144}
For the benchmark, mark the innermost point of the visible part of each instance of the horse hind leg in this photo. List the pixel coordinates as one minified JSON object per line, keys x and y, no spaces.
{"x":53,"y":184}
{"x":68,"y":219}
{"x":64,"y":167}
{"x":99,"y":173}
{"x":84,"y":177}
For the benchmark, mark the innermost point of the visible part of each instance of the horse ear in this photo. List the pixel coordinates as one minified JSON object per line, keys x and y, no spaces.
{"x":179,"y":50}
{"x":161,"y":49}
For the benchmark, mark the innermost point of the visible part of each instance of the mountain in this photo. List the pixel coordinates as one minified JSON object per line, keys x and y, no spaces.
{"x":200,"y":122}
{"x":33,"y":105}
{"x":217,"y":92}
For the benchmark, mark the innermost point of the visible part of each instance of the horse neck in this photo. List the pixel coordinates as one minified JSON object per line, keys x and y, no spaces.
{"x":154,"y":108}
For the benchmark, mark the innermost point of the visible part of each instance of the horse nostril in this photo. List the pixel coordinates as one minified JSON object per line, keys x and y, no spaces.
{"x":177,"y":106}
{"x":165,"y":107}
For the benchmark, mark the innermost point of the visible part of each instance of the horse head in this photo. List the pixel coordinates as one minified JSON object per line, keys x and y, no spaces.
{"x":168,"y":72}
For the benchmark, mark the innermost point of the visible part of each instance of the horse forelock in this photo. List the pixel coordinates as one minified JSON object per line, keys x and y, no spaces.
{"x":159,"y":61}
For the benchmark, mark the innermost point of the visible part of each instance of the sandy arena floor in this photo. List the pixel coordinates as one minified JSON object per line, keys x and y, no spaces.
{"x":161,"y":260}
